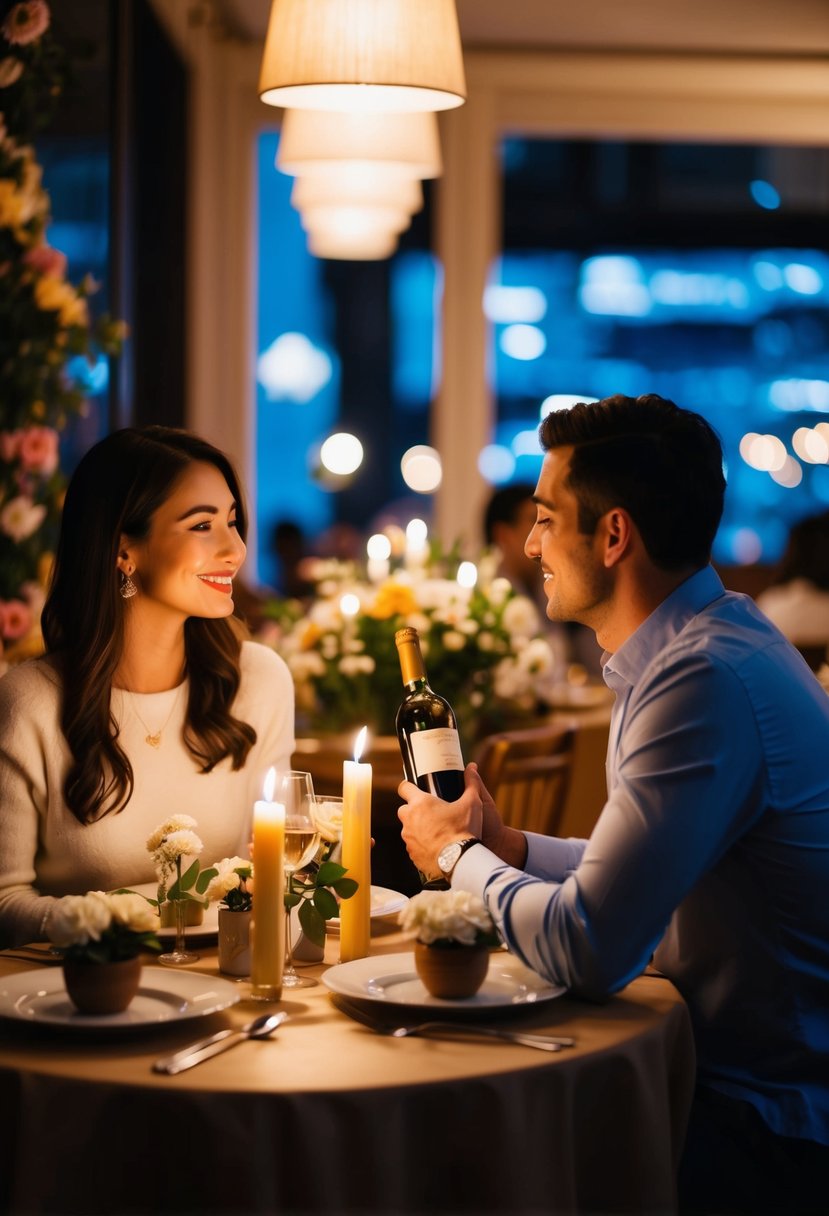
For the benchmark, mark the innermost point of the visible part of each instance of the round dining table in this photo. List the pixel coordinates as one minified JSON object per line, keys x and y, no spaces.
{"x":329,"y":1116}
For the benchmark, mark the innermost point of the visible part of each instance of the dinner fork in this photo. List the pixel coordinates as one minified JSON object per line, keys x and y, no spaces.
{"x":454,"y":1030}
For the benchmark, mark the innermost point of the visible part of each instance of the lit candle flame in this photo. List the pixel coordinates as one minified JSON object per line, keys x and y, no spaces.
{"x":359,"y":744}
{"x":270,"y":782}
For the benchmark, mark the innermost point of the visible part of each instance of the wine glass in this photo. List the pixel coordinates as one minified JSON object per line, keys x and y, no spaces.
{"x":296,"y":791}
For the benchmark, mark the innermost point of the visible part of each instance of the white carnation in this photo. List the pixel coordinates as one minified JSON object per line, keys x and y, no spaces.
{"x":446,"y":916}
{"x":78,"y":919}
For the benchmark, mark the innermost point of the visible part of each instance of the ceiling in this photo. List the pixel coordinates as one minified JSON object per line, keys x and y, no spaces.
{"x":735,"y":26}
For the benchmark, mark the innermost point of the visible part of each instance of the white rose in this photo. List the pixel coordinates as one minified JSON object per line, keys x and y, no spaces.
{"x":453,"y":640}
{"x":328,"y":817}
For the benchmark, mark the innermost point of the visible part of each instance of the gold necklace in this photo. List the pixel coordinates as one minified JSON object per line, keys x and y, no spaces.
{"x":153,"y":738}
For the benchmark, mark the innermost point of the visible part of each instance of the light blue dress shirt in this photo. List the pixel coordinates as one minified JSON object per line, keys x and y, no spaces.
{"x":712,"y":851}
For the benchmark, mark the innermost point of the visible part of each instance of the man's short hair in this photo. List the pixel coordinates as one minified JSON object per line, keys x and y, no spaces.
{"x":662,"y":464}
{"x":504,"y":505}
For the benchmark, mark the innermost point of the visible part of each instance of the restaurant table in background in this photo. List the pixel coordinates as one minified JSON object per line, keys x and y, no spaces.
{"x":329,"y":1117}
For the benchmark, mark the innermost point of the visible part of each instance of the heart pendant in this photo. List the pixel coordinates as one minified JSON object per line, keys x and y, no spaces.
{"x":153,"y":740}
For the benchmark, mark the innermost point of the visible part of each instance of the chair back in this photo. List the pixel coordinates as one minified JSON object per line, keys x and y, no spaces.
{"x":528,"y":774}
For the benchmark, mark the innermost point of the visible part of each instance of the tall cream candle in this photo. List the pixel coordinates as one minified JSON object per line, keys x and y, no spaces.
{"x":355,"y":913}
{"x":268,"y":949}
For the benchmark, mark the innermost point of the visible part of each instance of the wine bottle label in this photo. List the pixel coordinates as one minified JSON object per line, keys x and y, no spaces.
{"x":435,"y":750}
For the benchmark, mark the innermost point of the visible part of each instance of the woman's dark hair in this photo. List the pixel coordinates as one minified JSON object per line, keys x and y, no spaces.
{"x":116,"y":489}
{"x":660,"y":463}
{"x":807,"y":552}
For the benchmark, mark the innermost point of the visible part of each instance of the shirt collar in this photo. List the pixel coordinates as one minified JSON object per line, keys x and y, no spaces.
{"x":626,"y":665}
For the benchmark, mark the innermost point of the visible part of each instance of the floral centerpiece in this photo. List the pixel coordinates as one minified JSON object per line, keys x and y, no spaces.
{"x":455,"y":934}
{"x":101,"y":936}
{"x":231,"y":885}
{"x":169,"y":844}
{"x":481,"y":645}
{"x":44,"y":322}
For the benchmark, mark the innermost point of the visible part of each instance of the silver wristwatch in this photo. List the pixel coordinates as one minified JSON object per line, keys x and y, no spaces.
{"x":450,"y":854}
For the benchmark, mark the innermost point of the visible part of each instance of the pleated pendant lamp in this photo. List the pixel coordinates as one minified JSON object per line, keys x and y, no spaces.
{"x":385,"y":56}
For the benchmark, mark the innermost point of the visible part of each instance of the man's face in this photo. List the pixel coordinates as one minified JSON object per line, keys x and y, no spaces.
{"x":576,"y":582}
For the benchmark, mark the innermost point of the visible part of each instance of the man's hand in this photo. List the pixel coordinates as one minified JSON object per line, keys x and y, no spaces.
{"x":429,"y":823}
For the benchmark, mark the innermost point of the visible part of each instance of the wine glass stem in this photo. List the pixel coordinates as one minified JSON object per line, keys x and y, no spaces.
{"x":180,"y":911}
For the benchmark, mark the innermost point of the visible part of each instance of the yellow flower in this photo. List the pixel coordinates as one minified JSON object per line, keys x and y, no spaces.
{"x":53,"y":295}
{"x":393,"y":599}
{"x":311,"y":635}
{"x":12,"y":204}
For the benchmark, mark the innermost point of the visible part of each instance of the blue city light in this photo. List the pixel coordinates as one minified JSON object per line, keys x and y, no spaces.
{"x":764,"y":195}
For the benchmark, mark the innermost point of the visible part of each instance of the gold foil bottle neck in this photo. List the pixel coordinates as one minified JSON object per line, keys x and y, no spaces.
{"x":411,"y":660}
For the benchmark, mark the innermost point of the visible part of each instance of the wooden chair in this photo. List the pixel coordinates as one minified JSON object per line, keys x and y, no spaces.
{"x":528,"y":774}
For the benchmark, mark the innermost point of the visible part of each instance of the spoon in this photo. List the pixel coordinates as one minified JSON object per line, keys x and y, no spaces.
{"x":260,"y":1028}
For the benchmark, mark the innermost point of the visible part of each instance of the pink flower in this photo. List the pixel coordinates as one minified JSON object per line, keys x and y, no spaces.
{"x":11,"y":70}
{"x":27,"y":21}
{"x":9,"y":445}
{"x":17,"y":619}
{"x":46,"y":260}
{"x":39,"y":449}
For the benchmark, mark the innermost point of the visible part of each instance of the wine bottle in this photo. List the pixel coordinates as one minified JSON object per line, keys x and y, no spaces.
{"x":427,"y":729}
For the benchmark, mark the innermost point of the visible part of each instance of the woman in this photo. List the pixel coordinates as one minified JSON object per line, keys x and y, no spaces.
{"x":147,"y":702}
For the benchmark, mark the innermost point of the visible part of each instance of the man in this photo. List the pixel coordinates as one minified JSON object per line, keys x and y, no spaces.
{"x":713,"y":848}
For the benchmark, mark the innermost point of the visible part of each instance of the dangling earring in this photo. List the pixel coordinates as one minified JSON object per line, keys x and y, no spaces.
{"x":128,"y":588}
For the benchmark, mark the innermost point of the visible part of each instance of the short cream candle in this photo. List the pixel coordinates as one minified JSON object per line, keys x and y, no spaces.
{"x":268,"y":931}
{"x":355,"y":913}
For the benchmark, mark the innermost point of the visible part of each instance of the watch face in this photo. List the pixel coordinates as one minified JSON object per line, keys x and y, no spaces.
{"x":448,"y":856}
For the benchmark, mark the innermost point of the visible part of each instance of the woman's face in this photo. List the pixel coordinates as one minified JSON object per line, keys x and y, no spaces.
{"x":193,"y":550}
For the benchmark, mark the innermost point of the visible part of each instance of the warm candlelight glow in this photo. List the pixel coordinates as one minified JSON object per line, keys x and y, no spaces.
{"x":270,"y":782}
{"x":268,"y":940}
{"x":355,"y":913}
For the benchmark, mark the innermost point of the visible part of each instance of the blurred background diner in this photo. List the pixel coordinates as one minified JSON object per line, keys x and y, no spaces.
{"x":614,"y":200}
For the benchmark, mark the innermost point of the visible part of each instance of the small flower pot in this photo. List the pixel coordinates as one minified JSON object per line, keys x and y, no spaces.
{"x":234,"y":942}
{"x":100,"y":988}
{"x":167,"y":916}
{"x":451,"y":970}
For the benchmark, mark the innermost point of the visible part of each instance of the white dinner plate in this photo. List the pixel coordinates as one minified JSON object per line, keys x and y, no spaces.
{"x":393,"y":980}
{"x":209,"y":926}
{"x":384,"y":902}
{"x":39,"y":998}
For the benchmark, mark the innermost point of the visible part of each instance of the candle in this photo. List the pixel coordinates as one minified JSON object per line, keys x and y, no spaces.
{"x":355,"y":913}
{"x":268,"y":950}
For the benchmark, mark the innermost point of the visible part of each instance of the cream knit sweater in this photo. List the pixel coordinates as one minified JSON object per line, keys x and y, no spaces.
{"x":46,"y":852}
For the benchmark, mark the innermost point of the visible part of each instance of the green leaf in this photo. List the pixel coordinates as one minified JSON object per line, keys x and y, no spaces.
{"x":204,"y":879}
{"x":313,"y":925}
{"x":329,"y":873}
{"x":190,"y":875}
{"x":326,"y":904}
{"x":346,"y":887}
{"x":292,"y":899}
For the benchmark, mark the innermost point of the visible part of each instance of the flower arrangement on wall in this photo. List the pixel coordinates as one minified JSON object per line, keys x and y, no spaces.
{"x":44,"y":321}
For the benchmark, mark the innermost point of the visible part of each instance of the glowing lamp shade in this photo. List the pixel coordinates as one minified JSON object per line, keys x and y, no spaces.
{"x":390,"y":145}
{"x":399,"y":193}
{"x":371,"y":248}
{"x":363,"y":55}
{"x":354,"y":222}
